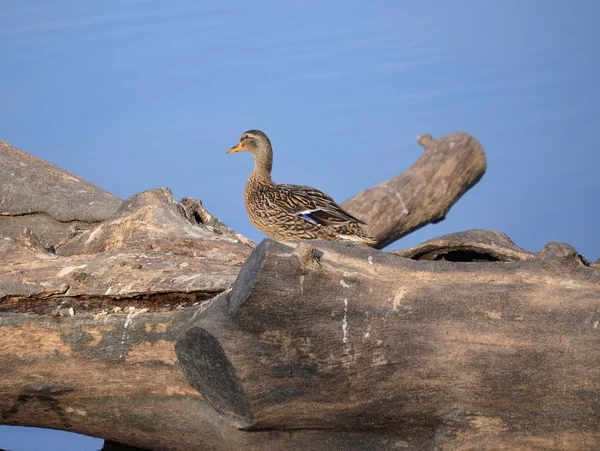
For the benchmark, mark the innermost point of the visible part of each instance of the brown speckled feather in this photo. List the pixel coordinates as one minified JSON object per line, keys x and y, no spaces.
{"x":303,"y":200}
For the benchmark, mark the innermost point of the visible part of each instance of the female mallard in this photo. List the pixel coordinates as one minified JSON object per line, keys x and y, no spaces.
{"x":292,"y":212}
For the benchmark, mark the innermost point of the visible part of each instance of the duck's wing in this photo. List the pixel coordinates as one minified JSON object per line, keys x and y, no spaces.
{"x":311,"y":204}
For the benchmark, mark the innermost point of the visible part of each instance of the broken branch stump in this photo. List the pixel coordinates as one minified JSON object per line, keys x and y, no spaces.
{"x":425,"y":192}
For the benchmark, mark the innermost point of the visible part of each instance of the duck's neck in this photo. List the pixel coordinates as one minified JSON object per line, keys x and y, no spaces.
{"x":263,"y":163}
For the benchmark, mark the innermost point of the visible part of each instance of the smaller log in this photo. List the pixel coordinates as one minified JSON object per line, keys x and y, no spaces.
{"x":424,"y":193}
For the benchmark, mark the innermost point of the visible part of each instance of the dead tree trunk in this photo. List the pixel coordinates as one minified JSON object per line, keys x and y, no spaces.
{"x":132,"y":321}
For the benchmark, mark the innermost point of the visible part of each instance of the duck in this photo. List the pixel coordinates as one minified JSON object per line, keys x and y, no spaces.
{"x":292,"y":212}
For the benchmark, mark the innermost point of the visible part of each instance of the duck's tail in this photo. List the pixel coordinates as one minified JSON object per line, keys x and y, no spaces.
{"x":354,"y":232}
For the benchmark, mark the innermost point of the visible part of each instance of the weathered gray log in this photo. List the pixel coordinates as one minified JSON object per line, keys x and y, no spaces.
{"x":51,"y":202}
{"x":425,"y":192}
{"x":346,"y":337}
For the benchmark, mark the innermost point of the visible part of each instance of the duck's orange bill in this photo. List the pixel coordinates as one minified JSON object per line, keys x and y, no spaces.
{"x":237,"y":148}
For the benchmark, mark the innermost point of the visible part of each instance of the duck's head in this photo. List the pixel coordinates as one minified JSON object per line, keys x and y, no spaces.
{"x":257,"y":143}
{"x":253,"y":141}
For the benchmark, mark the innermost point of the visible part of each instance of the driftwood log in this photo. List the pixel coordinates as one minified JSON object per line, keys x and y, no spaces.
{"x":423,"y":193}
{"x":337,"y":335}
{"x":149,"y":322}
